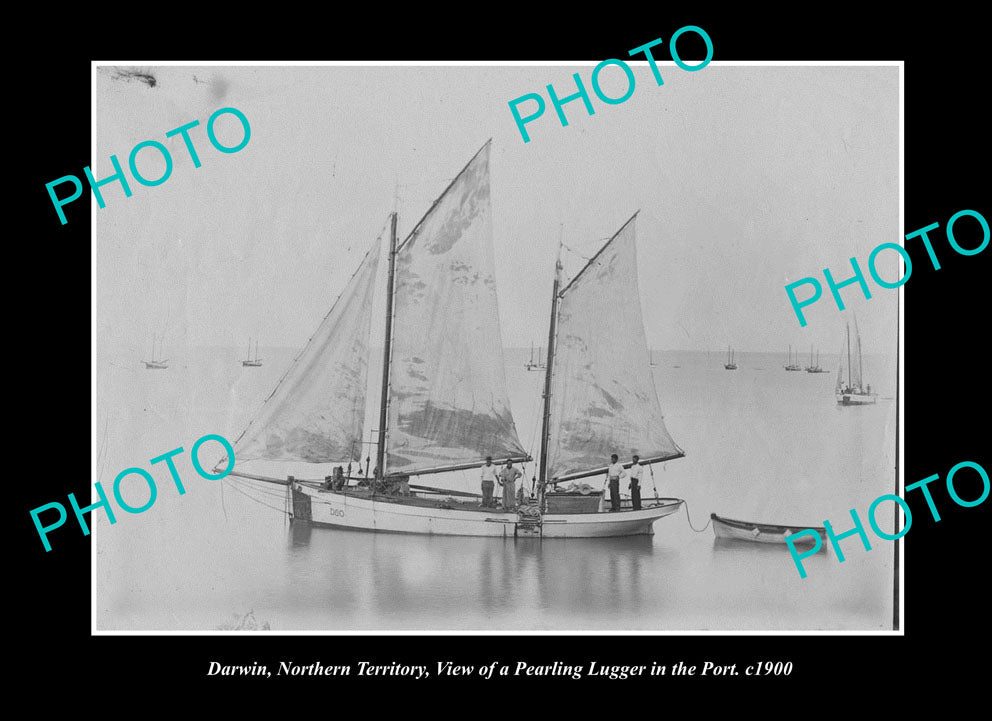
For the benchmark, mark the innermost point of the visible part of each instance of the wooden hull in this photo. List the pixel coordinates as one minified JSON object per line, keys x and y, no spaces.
{"x":763,"y":532}
{"x":155,"y":366}
{"x":384,"y":515}
{"x":251,"y":364}
{"x":856,"y":399}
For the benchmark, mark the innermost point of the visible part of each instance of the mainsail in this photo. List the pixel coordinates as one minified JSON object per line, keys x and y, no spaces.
{"x":603,"y":398}
{"x":317,"y":411}
{"x":448,"y":405}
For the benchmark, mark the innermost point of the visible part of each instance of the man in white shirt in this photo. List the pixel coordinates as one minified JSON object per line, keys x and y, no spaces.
{"x":488,"y":483}
{"x":635,"y":483}
{"x":508,"y":479}
{"x":614,"y":473}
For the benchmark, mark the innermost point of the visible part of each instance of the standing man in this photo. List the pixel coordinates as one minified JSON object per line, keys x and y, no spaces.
{"x":488,"y":483}
{"x":614,"y":473}
{"x":508,"y":479}
{"x":635,"y":483}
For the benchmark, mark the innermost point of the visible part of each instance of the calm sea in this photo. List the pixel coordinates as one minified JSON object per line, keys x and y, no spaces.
{"x":761,"y":444}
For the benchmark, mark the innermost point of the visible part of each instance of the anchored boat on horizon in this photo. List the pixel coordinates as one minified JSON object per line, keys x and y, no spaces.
{"x":793,"y":366}
{"x":853,"y":392}
{"x":250,"y":362}
{"x":154,"y":364}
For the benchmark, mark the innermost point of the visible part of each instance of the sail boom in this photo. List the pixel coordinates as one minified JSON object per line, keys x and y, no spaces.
{"x":603,"y":469}
{"x":461,"y":466}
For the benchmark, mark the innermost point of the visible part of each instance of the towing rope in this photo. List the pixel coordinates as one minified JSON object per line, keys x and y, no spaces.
{"x":689,"y":519}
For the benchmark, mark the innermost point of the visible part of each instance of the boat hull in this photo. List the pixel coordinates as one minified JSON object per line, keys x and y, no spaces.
{"x":856,"y":399}
{"x":346,"y":510}
{"x":763,"y":532}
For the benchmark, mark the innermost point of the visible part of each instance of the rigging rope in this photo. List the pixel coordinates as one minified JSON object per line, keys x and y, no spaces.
{"x":247,"y":495}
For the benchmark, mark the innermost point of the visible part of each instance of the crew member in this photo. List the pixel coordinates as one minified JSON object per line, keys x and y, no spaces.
{"x":614,"y":473}
{"x":635,"y":482}
{"x":488,"y":483}
{"x":508,"y":479}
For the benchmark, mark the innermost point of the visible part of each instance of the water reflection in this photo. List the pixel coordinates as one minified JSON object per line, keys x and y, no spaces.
{"x":737,"y":545}
{"x":483,"y":582}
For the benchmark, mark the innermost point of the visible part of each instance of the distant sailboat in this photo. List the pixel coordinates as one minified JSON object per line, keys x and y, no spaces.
{"x":730,"y":365}
{"x":790,"y":366}
{"x":651,"y":359}
{"x":249,"y":362}
{"x":853,"y":392}
{"x":814,"y":367}
{"x":535,"y":365}
{"x":154,"y":364}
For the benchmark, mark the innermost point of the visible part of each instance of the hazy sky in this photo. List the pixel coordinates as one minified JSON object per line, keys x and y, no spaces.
{"x":747,"y":178}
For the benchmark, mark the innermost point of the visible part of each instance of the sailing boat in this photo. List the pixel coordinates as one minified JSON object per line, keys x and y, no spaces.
{"x":853,"y":393}
{"x":156,"y":364}
{"x":443,"y":403}
{"x":814,"y":367}
{"x":730,"y":365}
{"x":793,"y":366}
{"x":248,"y":361}
{"x":651,"y":359}
{"x":533,"y":365}
{"x":598,"y":402}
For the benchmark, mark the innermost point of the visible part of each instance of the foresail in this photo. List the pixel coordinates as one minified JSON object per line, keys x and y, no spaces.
{"x":317,"y":411}
{"x":603,"y":398}
{"x":448,"y":405}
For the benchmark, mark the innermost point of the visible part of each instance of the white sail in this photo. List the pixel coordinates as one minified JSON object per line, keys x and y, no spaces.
{"x":840,"y":368}
{"x":317,"y":411}
{"x":856,"y":380}
{"x":603,"y":398}
{"x":448,"y":405}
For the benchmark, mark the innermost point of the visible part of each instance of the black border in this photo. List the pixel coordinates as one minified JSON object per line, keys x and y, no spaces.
{"x":947,"y":149}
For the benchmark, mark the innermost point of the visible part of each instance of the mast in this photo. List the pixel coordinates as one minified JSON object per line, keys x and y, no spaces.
{"x":256,"y":349}
{"x":861,"y":376}
{"x":849,"y":355}
{"x":546,"y":420}
{"x":380,"y":453}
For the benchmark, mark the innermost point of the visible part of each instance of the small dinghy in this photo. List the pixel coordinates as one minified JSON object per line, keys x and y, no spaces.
{"x":762,"y":532}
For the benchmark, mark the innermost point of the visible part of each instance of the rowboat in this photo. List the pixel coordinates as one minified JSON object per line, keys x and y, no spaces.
{"x":763,"y":532}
